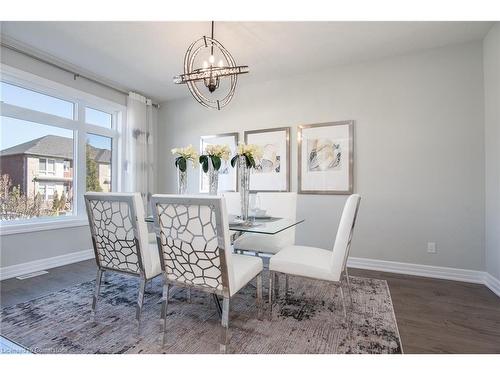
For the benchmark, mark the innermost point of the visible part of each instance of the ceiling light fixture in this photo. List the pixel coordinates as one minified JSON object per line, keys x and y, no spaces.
{"x":210,"y":74}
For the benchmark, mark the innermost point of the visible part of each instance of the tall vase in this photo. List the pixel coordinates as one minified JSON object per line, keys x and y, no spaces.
{"x":213,"y":178}
{"x":244,"y":186}
{"x":181,"y":181}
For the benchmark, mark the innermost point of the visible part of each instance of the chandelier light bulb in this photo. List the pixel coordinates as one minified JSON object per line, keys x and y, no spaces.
{"x":205,"y":65}
{"x":221,"y":64}
{"x":211,"y":59}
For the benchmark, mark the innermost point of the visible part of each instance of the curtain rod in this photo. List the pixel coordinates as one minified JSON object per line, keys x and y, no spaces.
{"x":73,"y":73}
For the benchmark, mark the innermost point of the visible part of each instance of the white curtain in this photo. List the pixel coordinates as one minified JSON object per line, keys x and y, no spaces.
{"x":139,"y":147}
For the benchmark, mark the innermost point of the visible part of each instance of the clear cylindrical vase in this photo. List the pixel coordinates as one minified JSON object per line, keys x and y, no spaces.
{"x":244,"y":186}
{"x":181,"y":181}
{"x":213,"y":178}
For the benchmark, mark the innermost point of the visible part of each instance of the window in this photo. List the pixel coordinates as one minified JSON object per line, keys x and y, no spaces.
{"x":50,"y":192}
{"x":98,"y":160}
{"x":42,"y":166}
{"x":46,"y":166}
{"x":39,"y":152}
{"x":36,"y":101}
{"x":26,"y":146}
{"x":99,"y":118}
{"x":42,"y":190}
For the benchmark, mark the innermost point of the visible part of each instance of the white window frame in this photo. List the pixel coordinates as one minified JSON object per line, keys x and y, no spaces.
{"x":80,"y":130}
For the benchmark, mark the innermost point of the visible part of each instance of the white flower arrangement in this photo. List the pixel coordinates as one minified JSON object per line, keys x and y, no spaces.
{"x":251,"y":152}
{"x":183,"y":155}
{"x":220,"y":151}
{"x":216,"y":153}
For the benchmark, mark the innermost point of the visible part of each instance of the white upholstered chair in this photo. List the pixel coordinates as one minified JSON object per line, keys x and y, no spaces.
{"x":316,"y":263}
{"x":233,"y":202}
{"x":120,"y":240}
{"x":195,"y":252}
{"x":282,"y":205}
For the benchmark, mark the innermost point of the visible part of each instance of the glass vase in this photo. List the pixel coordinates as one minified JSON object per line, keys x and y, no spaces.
{"x":181,"y":181}
{"x":213,"y":178}
{"x":244,"y":187}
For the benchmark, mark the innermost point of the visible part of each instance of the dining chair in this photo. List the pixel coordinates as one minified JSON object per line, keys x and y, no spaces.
{"x":316,"y":263}
{"x":195,"y":251}
{"x":120,"y":240}
{"x":233,"y":202}
{"x":283,"y":205}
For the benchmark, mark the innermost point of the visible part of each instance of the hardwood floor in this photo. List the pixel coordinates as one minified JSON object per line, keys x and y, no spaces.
{"x":441,"y":316}
{"x":434,"y":316}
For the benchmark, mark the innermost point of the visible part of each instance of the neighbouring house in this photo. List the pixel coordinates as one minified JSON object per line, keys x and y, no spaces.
{"x":45,"y":165}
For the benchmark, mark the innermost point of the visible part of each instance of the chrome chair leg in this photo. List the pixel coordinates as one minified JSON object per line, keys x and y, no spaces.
{"x":98,"y":281}
{"x":343,"y":301}
{"x":188,"y":294}
{"x":225,"y":325}
{"x":140,"y":301}
{"x":349,"y":288}
{"x":164,"y":305}
{"x":271,"y":277}
{"x":259,"y":296}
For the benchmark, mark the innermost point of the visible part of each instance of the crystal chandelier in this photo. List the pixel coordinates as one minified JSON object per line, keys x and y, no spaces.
{"x":209,"y":76}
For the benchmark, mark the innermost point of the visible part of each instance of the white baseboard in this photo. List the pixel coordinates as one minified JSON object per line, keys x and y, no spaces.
{"x":492,"y":283}
{"x":447,"y":273}
{"x":43,"y":264}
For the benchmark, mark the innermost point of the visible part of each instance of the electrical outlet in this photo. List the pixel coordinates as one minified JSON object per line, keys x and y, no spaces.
{"x":431,"y":248}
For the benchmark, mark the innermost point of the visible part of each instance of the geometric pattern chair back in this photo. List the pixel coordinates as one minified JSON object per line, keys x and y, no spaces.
{"x":344,"y":235}
{"x":117,"y":234}
{"x":193,"y":240}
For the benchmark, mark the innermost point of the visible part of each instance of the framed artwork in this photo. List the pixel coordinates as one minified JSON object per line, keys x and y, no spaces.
{"x":272,"y":172}
{"x":325,"y":156}
{"x":227,"y":174}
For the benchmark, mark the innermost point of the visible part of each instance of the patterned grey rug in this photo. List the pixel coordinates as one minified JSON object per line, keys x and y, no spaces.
{"x":309,"y":320}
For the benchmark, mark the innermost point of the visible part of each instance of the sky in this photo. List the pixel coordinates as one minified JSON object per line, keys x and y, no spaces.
{"x":14,"y":131}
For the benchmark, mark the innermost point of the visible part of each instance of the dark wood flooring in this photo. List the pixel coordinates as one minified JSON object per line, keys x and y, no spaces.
{"x":434,"y":316}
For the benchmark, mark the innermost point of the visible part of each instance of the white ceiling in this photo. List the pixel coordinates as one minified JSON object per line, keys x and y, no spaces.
{"x":144,"y":56}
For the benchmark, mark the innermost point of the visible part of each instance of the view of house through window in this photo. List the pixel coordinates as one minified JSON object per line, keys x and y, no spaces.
{"x":98,"y":161}
{"x":38,"y":165}
{"x":36,"y":170}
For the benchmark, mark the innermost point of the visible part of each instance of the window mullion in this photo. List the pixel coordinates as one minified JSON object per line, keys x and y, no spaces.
{"x":81,"y":170}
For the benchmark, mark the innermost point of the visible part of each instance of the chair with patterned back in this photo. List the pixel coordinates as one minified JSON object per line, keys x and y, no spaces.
{"x":195,"y":252}
{"x":120,"y":240}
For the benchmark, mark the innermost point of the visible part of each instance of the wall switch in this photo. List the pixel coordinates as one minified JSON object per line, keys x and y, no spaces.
{"x":431,"y":247}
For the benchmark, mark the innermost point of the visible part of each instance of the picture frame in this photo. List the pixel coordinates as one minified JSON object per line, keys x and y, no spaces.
{"x":273,"y":169}
{"x":228,"y":176}
{"x":326,"y":158}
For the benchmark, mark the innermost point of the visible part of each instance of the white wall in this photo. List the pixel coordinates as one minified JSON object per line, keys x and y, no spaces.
{"x":419,"y":149}
{"x":28,"y":247}
{"x":491,"y":58}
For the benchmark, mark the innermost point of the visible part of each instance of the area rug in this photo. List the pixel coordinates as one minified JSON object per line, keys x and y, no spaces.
{"x":308,"y":320}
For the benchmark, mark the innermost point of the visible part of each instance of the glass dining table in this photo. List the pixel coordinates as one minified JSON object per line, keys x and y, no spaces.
{"x":264,"y":225}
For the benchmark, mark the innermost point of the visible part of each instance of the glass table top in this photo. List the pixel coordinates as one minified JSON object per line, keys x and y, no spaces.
{"x":270,"y":225}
